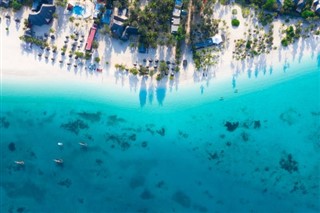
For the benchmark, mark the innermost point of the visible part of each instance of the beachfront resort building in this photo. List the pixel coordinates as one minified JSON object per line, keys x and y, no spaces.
{"x":4,"y":3}
{"x":316,"y":6}
{"x":215,"y":40}
{"x":43,"y":16}
{"x":118,"y":27}
{"x":36,"y":4}
{"x":90,"y":39}
{"x":176,"y":16}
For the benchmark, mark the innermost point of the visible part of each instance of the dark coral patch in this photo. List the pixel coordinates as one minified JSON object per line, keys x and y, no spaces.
{"x":256,"y":124}
{"x":21,"y":209}
{"x":66,"y":182}
{"x":182,"y":199}
{"x":144,"y":144}
{"x":146,"y":195}
{"x":12,"y":147}
{"x":289,"y":164}
{"x":75,"y":126}
{"x":4,"y":123}
{"x":245,"y":136}
{"x":137,"y":181}
{"x":231,"y":126}
{"x":93,"y":117}
{"x":161,"y":131}
{"x":114,"y":120}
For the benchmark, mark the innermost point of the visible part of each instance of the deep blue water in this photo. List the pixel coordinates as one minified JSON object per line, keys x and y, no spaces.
{"x":251,"y":152}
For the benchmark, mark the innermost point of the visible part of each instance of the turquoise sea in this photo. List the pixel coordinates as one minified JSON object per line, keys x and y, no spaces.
{"x":155,"y":149}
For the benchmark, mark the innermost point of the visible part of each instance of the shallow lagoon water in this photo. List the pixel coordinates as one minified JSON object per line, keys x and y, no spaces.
{"x":255,"y":151}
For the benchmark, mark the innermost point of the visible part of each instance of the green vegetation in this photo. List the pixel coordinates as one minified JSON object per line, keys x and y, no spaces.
{"x":270,"y":5}
{"x":204,"y":59}
{"x":163,"y":66}
{"x":307,"y":13}
{"x":235,"y":22}
{"x":257,"y":42}
{"x":87,"y":55}
{"x":134,"y":71}
{"x":105,"y":29}
{"x":61,"y":3}
{"x":55,"y":15}
{"x":290,"y":35}
{"x":97,"y":59}
{"x":245,"y":12}
{"x":79,"y":54}
{"x":95,"y":45}
{"x":265,"y":18}
{"x":288,"y":6}
{"x":26,"y":23}
{"x":16,"y":5}
{"x":234,"y":12}
{"x":35,"y":41}
{"x":71,"y":19}
{"x":153,"y":20}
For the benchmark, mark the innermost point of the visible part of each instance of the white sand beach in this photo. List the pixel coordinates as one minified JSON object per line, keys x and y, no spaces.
{"x":19,"y":60}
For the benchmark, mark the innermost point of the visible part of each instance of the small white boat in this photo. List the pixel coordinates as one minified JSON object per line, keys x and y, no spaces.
{"x":60,"y":144}
{"x":83,"y":144}
{"x":58,"y":161}
{"x":19,"y":162}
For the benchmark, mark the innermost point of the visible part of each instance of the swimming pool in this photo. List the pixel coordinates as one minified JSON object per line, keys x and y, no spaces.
{"x":78,"y":10}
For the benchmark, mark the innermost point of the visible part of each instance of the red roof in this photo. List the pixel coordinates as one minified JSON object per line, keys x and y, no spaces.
{"x":90,"y":39}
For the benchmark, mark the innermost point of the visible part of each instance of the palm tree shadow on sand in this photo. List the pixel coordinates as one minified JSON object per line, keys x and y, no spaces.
{"x":143,"y":93}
